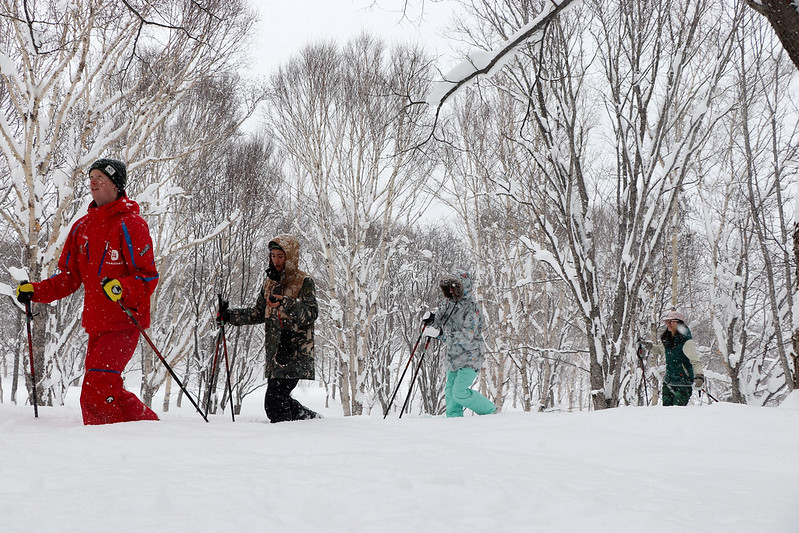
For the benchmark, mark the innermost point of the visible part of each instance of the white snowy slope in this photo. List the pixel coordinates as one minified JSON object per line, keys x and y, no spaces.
{"x":711,"y":468}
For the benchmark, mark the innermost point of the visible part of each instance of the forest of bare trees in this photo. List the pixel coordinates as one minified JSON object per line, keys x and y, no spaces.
{"x":631,"y":158}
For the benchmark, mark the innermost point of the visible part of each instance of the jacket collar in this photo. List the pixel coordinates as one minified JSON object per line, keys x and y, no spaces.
{"x":123,"y":204}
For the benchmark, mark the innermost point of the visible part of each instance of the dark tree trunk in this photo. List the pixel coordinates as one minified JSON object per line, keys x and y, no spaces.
{"x":784,"y":18}
{"x":795,"y":336}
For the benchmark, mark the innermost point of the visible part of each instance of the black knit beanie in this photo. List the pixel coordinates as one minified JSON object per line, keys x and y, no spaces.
{"x":115,"y":170}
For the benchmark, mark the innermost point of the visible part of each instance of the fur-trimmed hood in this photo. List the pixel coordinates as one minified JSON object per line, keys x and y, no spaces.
{"x":291,"y":278}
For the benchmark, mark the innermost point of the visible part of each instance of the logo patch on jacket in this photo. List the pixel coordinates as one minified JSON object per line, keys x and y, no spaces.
{"x":114,"y":257}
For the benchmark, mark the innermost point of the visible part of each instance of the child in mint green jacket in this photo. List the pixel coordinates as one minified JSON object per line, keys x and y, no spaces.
{"x":459,"y":324}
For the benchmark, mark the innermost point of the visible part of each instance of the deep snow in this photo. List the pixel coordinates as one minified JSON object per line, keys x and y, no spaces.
{"x":710,"y":468}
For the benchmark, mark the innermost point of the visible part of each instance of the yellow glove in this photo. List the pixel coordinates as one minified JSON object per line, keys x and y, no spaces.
{"x":25,"y":293}
{"x":113,"y":289}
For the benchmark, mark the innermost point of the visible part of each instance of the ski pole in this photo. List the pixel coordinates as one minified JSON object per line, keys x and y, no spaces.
{"x":161,"y":357}
{"x":213,"y":376}
{"x":643,"y":370}
{"x":229,"y":385}
{"x":421,"y":358}
{"x":413,"y":379}
{"x":28,"y":320}
{"x":227,"y":364}
{"x":703,"y":389}
{"x":220,"y":339}
{"x":402,"y":376}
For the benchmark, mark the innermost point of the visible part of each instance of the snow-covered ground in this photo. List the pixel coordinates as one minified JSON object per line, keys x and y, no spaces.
{"x":712,"y":468}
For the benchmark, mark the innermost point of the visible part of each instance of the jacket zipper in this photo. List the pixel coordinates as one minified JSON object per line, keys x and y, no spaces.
{"x":102,"y":259}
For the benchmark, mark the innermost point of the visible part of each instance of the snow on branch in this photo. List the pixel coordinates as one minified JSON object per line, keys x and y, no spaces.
{"x":482,"y":62}
{"x":221,"y":227}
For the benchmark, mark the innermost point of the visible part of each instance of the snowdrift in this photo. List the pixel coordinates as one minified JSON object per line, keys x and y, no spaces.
{"x":713,"y":468}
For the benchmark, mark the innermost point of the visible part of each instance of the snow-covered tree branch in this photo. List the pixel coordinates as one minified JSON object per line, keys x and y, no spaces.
{"x":87,"y":80}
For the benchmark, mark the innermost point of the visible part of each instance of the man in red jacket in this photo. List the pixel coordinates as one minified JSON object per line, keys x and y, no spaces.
{"x":109,"y":251}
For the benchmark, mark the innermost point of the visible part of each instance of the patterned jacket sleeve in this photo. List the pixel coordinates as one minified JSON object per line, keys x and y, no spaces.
{"x":439,"y":320}
{"x":303,"y":310}
{"x":250,"y":315}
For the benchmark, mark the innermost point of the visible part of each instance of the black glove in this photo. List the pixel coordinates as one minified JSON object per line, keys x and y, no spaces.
{"x":25,"y":293}
{"x":428,"y":318}
{"x":223,"y":315}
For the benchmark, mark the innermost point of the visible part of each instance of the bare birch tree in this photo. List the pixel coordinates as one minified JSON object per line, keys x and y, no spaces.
{"x":768,"y":168}
{"x":511,"y":283}
{"x":661,"y":67}
{"x":83,"y":80}
{"x":339,"y":115}
{"x":745,"y":218}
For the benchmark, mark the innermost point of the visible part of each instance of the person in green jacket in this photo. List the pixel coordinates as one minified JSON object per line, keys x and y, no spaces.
{"x":683,"y":366}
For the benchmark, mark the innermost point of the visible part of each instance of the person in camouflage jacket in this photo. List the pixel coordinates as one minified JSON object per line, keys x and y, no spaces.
{"x":459,"y":324}
{"x":286,"y":305}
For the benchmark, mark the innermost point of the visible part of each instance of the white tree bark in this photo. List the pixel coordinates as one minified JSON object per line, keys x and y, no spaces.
{"x":658,"y":86}
{"x":86,"y":80}
{"x":339,"y":116}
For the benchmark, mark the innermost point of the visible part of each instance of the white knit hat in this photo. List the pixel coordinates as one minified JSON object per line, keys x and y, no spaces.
{"x":674,"y":315}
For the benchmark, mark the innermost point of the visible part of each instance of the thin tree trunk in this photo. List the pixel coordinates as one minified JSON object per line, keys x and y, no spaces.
{"x":795,"y":336}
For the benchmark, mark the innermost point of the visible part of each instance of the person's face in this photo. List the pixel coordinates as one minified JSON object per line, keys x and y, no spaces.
{"x":278,"y":259}
{"x":671,"y":325}
{"x":452,"y":288}
{"x":103,"y":189}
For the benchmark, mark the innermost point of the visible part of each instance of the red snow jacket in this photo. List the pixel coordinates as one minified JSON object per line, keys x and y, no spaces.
{"x":114,"y":242}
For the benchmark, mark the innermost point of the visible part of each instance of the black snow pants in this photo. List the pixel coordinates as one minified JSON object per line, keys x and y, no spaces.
{"x":280,"y":406}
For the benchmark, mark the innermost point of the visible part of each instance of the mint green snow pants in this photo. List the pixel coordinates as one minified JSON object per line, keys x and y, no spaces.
{"x":459,"y":395}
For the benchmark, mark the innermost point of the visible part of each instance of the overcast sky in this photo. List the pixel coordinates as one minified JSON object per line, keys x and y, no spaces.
{"x":287,"y":25}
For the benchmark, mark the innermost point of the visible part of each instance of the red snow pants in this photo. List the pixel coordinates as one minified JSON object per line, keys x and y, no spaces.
{"x":103,"y":400}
